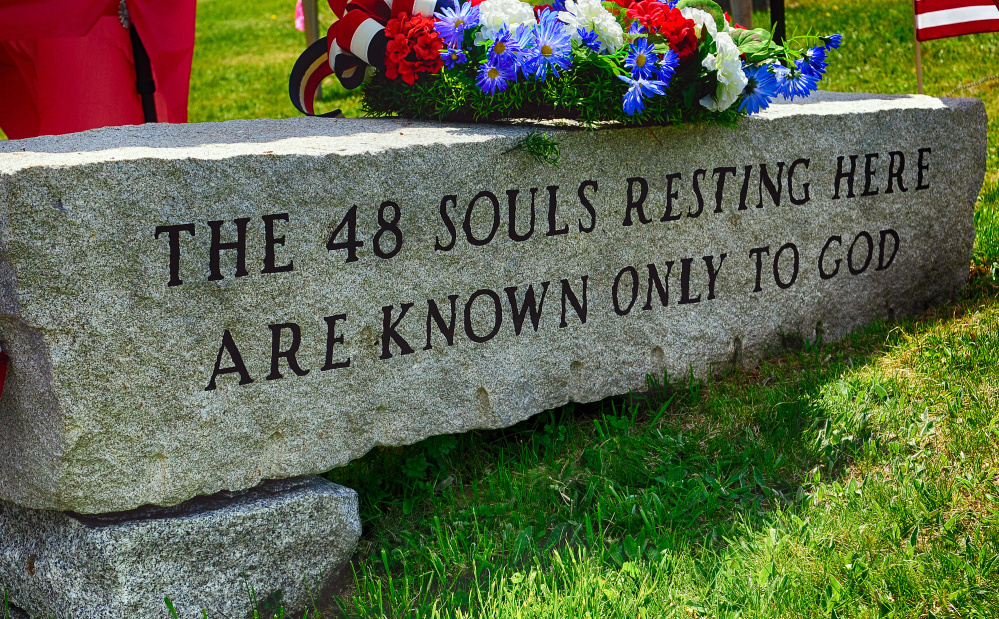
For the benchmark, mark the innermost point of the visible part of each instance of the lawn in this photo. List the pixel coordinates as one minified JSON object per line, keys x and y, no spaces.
{"x":857,"y":478}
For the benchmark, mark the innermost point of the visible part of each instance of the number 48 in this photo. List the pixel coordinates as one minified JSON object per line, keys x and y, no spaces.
{"x":348,"y":226}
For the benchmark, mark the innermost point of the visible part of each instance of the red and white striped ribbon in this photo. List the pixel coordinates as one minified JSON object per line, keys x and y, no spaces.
{"x":360,"y":32}
{"x":357,"y":39}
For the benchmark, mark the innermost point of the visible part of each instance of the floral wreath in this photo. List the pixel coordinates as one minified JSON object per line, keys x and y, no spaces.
{"x":645,"y":62}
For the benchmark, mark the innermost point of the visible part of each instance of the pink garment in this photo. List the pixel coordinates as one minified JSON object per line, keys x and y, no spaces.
{"x":66,"y":65}
{"x":299,"y":17}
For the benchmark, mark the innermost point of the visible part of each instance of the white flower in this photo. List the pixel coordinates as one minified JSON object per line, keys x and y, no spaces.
{"x":731,"y":78}
{"x":494,"y":14}
{"x":703,"y":19}
{"x":591,"y":15}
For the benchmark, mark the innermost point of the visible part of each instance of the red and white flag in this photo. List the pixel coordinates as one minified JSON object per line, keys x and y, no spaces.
{"x":936,"y":19}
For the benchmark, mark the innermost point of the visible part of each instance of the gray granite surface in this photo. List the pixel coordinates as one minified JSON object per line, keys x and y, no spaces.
{"x":126,"y":390}
{"x":286,"y":536}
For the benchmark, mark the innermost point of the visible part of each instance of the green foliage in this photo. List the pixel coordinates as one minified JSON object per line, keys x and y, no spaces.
{"x":590,"y":92}
{"x":757,"y":44}
{"x":708,"y":6}
{"x":407,"y":473}
{"x":987,"y":227}
{"x":540,"y":146}
{"x":169,"y":605}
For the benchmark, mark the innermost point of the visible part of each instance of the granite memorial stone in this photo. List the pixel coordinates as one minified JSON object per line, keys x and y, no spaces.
{"x":191,"y":309}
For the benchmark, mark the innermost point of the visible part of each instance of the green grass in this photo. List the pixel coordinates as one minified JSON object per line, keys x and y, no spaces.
{"x":855,"y":477}
{"x":243,"y":53}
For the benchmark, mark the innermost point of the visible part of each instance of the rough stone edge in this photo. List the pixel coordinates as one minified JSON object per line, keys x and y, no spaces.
{"x":28,"y":344}
{"x":201,"y":506}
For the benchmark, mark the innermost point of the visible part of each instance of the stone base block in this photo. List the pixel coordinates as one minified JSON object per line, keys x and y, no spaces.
{"x":287,"y":537}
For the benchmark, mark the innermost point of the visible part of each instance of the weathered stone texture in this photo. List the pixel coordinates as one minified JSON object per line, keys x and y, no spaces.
{"x":110,"y":364}
{"x":283,"y":535}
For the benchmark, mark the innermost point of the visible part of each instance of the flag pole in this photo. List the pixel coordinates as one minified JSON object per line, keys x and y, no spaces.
{"x":311,"y":10}
{"x":919,"y":53}
{"x":777,"y":20}
{"x":919,"y":69}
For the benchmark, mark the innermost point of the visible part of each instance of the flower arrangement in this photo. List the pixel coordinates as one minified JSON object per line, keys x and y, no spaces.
{"x":635,"y":62}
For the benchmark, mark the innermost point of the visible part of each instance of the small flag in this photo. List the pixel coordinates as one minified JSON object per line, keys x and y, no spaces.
{"x":936,"y":19}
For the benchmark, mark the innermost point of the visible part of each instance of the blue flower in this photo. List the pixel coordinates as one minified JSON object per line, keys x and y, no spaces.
{"x":636,"y":28}
{"x":793,"y":82}
{"x":832,"y":41}
{"x":814,"y":60}
{"x":539,"y":15}
{"x":634,"y":99}
{"x":552,"y":48}
{"x":453,"y":56}
{"x":666,"y":67}
{"x":642,"y":59}
{"x":670,"y":3}
{"x":505,"y":49}
{"x":524,"y":39}
{"x":495,"y":77}
{"x":558,"y":5}
{"x":453,"y":22}
{"x":589,"y":38}
{"x":759,"y":91}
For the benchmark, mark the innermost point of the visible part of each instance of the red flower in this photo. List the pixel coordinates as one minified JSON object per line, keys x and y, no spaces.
{"x":734,"y":25}
{"x":539,"y":9}
{"x":650,"y":13}
{"x":414,"y":47}
{"x":681,"y":33}
{"x":624,"y":4}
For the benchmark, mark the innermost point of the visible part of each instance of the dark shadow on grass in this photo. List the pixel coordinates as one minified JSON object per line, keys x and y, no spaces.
{"x":708,"y":459}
